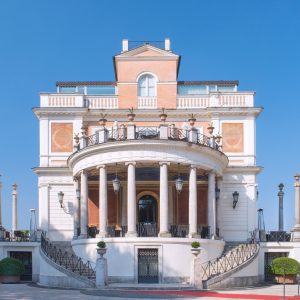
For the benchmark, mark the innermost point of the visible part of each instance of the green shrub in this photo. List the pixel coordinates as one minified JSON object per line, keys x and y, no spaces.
{"x":195,"y":244}
{"x":284,"y":266}
{"x":101,"y":244}
{"x":11,"y":267}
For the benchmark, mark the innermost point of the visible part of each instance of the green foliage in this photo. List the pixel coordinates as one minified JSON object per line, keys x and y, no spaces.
{"x":101,"y":244}
{"x":284,"y":266}
{"x":11,"y":267}
{"x":195,"y":244}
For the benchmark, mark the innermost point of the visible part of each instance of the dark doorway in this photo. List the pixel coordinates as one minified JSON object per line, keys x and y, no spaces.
{"x":269,"y":256}
{"x":147,"y":210}
{"x":147,"y":265}
{"x":26,"y":259}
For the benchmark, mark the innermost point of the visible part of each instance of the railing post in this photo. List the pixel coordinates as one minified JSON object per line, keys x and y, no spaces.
{"x":131,"y":131}
{"x":193,"y":135}
{"x":163,"y":131}
{"x":122,"y":134}
{"x":102,"y":135}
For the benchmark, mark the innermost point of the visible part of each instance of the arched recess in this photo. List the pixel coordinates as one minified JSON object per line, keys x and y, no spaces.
{"x":155,"y":196}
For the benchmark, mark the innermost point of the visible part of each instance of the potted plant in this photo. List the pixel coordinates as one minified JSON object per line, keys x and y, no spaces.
{"x":163,"y":115}
{"x":131,"y":114}
{"x":102,"y":121}
{"x":10,"y":270}
{"x":192,"y":119}
{"x":195,"y":248}
{"x":210,"y":127}
{"x":101,"y":250}
{"x":218,"y":138}
{"x":285,"y":269}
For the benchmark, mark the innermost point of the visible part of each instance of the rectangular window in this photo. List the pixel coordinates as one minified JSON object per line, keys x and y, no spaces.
{"x":224,"y":88}
{"x":101,"y":90}
{"x":67,"y":89}
{"x":191,"y":89}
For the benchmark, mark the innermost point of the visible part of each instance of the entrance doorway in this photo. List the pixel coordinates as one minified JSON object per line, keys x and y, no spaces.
{"x":26,"y":259}
{"x":147,"y":265}
{"x":147,"y":209}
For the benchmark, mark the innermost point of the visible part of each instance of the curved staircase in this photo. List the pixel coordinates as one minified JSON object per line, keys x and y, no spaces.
{"x":61,"y":256}
{"x":234,"y":258}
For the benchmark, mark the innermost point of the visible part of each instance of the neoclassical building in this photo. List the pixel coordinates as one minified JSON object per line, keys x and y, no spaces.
{"x":147,"y":163}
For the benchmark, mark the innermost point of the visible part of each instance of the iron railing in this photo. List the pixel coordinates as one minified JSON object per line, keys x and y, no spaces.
{"x":182,"y":231}
{"x":147,"y":229}
{"x":231,"y":260}
{"x":278,"y":236}
{"x":141,"y":133}
{"x":66,"y":260}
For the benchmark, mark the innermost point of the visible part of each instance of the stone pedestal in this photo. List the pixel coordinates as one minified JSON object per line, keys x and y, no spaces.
{"x":196,"y":271}
{"x":101,"y":272}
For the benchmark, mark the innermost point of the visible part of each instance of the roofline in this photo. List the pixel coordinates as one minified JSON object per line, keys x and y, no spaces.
{"x":83,"y":83}
{"x":200,"y":82}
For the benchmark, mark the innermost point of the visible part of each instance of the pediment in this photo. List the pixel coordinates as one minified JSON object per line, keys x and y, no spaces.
{"x":147,"y":51}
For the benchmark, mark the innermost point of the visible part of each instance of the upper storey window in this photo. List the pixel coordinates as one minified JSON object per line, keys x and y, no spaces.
{"x":147,"y":86}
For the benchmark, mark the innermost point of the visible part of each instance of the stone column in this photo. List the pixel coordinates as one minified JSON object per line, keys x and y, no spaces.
{"x":14,"y":208}
{"x":102,"y":201}
{"x":0,"y":202}
{"x":212,"y":203}
{"x":296,"y":229}
{"x":280,"y":215}
{"x":124,"y":205}
{"x":84,"y":205}
{"x":76,"y":205}
{"x":131,"y":200}
{"x":193,"y":202}
{"x":163,"y":203}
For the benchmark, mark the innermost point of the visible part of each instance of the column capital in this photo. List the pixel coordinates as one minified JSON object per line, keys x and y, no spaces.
{"x":130,"y":163}
{"x":193,"y":167}
{"x":83,"y":172}
{"x":161,"y":163}
{"x":101,"y":167}
{"x":75,"y":178}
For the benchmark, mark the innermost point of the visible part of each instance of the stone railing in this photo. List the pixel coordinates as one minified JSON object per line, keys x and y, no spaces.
{"x":237,"y":99}
{"x":147,"y":102}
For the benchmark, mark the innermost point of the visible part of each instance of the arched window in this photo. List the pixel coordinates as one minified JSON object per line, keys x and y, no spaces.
{"x":147,"y":86}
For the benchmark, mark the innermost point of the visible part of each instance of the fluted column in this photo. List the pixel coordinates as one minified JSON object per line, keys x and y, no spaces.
{"x":102,"y":201}
{"x":131,"y":200}
{"x":14,"y":208}
{"x":193,"y":202}
{"x":212,"y":203}
{"x":296,"y":229}
{"x":83,"y":205}
{"x":163,"y":203}
{"x":76,"y":205}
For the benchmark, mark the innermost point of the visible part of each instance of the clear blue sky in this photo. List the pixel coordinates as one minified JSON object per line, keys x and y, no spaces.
{"x":254,"y":41}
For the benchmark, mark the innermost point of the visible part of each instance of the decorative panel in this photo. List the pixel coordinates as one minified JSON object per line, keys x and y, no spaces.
{"x":61,"y":137}
{"x":233,"y":137}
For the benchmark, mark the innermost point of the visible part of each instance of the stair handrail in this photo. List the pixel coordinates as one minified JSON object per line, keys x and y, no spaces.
{"x":70,"y":262}
{"x":234,"y":258}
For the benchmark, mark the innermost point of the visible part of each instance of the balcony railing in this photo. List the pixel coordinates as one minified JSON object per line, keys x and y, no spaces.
{"x":158,"y":133}
{"x":147,"y":102}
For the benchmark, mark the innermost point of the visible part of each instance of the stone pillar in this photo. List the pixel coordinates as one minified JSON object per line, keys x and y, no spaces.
{"x":0,"y":202}
{"x":131,"y":131}
{"x":212,"y":203}
{"x":280,"y":212}
{"x":163,"y":203}
{"x":163,"y":131}
{"x":196,"y":272}
{"x":76,"y":205}
{"x":102,"y":201}
{"x":193,"y":202}
{"x":296,"y":229}
{"x":131,"y":200}
{"x":14,"y":208}
{"x":84,"y":205}
{"x":101,"y":272}
{"x":124,"y":205}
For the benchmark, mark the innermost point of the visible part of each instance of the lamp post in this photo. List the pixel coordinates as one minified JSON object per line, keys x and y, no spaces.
{"x":61,"y":195}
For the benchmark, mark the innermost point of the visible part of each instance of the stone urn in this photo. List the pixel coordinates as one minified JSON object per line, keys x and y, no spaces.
{"x":131,"y":117}
{"x":192,"y":121}
{"x":102,"y":122}
{"x":101,"y":251}
{"x":218,"y":138}
{"x":210,"y":128}
{"x":163,"y":117}
{"x":195,"y":251}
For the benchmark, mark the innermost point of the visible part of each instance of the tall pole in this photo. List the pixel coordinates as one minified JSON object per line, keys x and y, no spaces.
{"x":14,"y":208}
{"x":296,"y":229}
{"x":0,"y":202}
{"x":280,"y":216}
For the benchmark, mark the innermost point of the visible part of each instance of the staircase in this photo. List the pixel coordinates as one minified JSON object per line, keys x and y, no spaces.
{"x":61,"y":256}
{"x":234,"y":257}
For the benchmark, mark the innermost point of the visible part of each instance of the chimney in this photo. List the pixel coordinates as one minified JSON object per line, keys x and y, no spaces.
{"x":167,"y":44}
{"x":124,"y":45}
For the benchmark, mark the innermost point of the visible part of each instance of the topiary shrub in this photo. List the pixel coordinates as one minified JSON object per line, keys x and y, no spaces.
{"x":284,"y":266}
{"x":195,"y":244}
{"x":101,"y":245}
{"x":11,"y":267}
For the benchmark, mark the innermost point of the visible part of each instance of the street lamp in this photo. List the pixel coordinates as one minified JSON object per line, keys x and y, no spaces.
{"x":235,"y":196}
{"x":179,"y":184}
{"x":61,"y":195}
{"x":217,"y":192}
{"x":116,"y":182}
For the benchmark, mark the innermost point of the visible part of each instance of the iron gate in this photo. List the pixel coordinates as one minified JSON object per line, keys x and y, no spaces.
{"x":269,"y":256}
{"x":147,"y":265}
{"x":26,"y":259}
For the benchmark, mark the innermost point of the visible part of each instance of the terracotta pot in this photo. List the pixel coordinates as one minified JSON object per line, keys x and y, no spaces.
{"x":10,"y":278}
{"x":210,"y":129}
{"x":131,"y":117}
{"x":289,"y":279}
{"x":218,"y":139}
{"x":192,"y":121}
{"x":163,"y":117}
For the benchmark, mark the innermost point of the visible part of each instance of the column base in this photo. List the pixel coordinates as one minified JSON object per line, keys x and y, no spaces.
{"x":164,"y":234}
{"x":83,"y":236}
{"x":131,"y":234}
{"x":194,"y":235}
{"x":102,"y":234}
{"x":75,"y":237}
{"x":296,"y":234}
